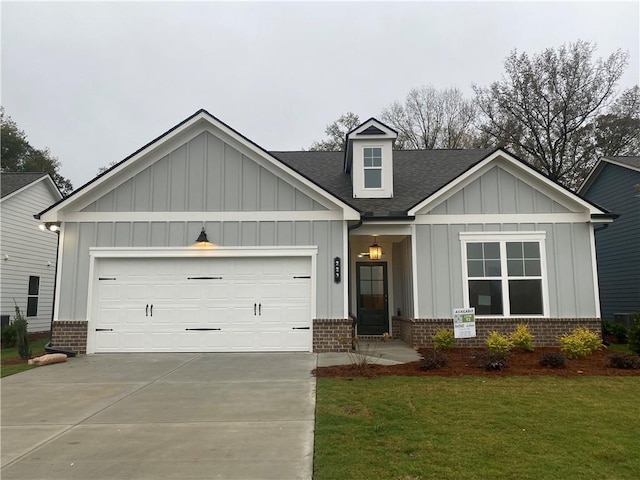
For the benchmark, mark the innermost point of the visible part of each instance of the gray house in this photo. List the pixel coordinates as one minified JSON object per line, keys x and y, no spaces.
{"x":27,"y":254}
{"x":614,"y":183}
{"x":204,"y":241}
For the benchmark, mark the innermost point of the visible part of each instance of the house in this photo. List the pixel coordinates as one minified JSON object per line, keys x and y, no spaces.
{"x":614,"y":183}
{"x":27,"y":254}
{"x":204,"y":241}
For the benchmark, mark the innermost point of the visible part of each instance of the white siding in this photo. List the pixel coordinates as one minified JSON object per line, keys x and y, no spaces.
{"x":30,"y":251}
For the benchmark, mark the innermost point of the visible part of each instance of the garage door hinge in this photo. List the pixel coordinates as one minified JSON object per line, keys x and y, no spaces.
{"x":202,"y":329}
{"x":104,"y":329}
{"x":304,"y":276}
{"x":204,"y":278}
{"x":106,"y":278}
{"x":300,"y":328}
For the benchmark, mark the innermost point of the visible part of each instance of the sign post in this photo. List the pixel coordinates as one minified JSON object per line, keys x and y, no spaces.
{"x":464,"y":322}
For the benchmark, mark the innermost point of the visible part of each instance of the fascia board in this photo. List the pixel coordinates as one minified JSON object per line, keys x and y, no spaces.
{"x":388,"y":131}
{"x":44,"y":178}
{"x":519,"y":169}
{"x":593,"y":174}
{"x":621,"y":164}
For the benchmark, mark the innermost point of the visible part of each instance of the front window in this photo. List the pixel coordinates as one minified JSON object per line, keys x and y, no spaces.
{"x":32,"y":298}
{"x":372,"y":167}
{"x":505,"y":276}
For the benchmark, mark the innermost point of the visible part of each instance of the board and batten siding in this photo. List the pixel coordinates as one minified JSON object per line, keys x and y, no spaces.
{"x":204,"y":175}
{"x":618,"y":246}
{"x":80,"y":237}
{"x":30,"y":251}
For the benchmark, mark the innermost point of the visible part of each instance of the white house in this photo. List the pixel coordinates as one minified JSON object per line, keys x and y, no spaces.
{"x":27,"y":254}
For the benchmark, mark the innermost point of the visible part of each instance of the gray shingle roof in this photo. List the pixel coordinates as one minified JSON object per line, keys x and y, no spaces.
{"x":417,"y":175}
{"x":12,"y":181}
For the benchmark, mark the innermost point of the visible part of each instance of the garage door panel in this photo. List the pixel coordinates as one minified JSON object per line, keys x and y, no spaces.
{"x":252,"y":303}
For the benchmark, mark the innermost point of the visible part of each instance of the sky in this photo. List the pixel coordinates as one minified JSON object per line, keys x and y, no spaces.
{"x":95,"y":81}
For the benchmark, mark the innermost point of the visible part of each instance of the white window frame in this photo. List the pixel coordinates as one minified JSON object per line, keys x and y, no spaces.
{"x":365,"y":168}
{"x":502,"y":238}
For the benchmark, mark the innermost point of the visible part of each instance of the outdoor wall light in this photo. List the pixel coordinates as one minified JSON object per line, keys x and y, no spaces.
{"x":202,"y":238}
{"x":51,"y":226}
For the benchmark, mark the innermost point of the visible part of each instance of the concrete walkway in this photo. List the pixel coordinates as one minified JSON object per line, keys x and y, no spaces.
{"x":155,"y":416}
{"x":390,"y":352}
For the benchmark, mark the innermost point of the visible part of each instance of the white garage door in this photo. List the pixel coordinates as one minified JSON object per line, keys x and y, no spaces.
{"x":202,"y":305}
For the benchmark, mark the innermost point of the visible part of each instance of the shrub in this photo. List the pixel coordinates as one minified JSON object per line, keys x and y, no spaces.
{"x":634,"y":334}
{"x":620,"y":360}
{"x":498,"y":344}
{"x":21,"y":335}
{"x":8,"y":336}
{"x":443,"y":339}
{"x":522,"y":338}
{"x":433,"y":360}
{"x":553,"y":360}
{"x":615,"y":329}
{"x":580,"y":343}
{"x":495,"y":361}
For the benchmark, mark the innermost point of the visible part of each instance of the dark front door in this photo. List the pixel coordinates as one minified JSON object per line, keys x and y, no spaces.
{"x":373,"y":317}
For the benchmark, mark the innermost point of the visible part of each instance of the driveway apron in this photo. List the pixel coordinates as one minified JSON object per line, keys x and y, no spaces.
{"x":153,"y":416}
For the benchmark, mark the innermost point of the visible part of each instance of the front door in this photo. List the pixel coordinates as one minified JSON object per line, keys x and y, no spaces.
{"x":373,"y":316}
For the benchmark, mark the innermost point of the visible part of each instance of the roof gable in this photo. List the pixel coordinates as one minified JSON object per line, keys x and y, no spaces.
{"x":630,"y":163}
{"x":12,"y":183}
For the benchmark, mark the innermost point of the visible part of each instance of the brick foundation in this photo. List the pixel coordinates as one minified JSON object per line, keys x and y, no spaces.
{"x":417,"y":332}
{"x":332,"y":334}
{"x":70,"y":335}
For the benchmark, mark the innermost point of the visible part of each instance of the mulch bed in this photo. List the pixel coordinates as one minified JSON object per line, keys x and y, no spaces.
{"x":464,"y":361}
{"x":30,"y":338}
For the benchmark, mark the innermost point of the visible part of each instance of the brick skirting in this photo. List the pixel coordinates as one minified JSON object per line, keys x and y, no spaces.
{"x":70,"y":335}
{"x":417,"y":332}
{"x":332,"y":334}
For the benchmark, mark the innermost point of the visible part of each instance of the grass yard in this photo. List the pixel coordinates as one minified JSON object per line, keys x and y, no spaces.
{"x":412,"y":428}
{"x":11,"y":355}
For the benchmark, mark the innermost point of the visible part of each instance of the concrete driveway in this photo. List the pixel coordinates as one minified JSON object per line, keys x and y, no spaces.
{"x":152,"y":416}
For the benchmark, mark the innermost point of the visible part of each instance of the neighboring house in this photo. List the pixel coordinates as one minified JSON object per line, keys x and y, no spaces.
{"x":27,"y":254}
{"x":302,"y":240}
{"x":614,"y":183}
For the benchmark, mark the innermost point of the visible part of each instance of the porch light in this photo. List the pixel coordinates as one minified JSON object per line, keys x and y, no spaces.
{"x":375,"y":251}
{"x":202,"y":238}
{"x":52,"y":227}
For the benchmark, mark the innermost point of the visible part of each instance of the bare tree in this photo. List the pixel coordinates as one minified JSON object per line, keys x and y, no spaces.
{"x":431,"y":118}
{"x":337,"y":133}
{"x":544,"y":104}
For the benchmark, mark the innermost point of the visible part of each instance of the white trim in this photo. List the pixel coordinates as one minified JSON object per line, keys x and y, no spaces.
{"x":594,"y":268}
{"x":345,"y":264}
{"x":516,"y":168}
{"x":181,"y":252}
{"x":484,"y":218}
{"x":414,"y":270}
{"x":380,"y":228}
{"x":267,"y":216}
{"x":502,"y":238}
{"x":387,"y":132}
{"x":52,"y":184}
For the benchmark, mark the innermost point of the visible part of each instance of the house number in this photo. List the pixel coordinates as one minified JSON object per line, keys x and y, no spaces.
{"x":336,"y":270}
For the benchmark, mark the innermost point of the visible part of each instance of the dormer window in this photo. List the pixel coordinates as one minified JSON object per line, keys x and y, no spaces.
{"x":372,"y":167}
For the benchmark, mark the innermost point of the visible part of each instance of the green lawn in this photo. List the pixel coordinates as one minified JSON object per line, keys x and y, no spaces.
{"x":36,"y":346}
{"x":412,"y":428}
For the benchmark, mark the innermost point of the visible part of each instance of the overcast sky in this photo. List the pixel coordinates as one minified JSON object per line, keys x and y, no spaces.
{"x":96,"y":81}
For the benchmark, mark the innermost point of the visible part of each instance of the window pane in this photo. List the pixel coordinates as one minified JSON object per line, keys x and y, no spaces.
{"x":515,"y":268}
{"x":365,"y":272}
{"x":531,"y":250}
{"x":34,"y":285}
{"x":377,"y":287}
{"x":525,"y":297}
{"x":474,"y":250}
{"x":514,"y":249}
{"x":372,"y":178}
{"x":492,"y":250}
{"x":475,"y":268}
{"x":486,"y":296}
{"x":492,"y":268}
{"x":532,"y":268}
{"x":32,"y":306}
{"x":365,"y":287}
{"x":377,"y":272}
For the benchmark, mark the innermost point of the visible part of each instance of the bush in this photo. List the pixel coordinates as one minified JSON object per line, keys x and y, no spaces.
{"x":580,"y":343}
{"x":634,"y":334}
{"x":21,"y":335}
{"x":620,"y":360}
{"x":443,"y":339}
{"x":498,"y":344}
{"x":522,"y":338}
{"x":8,"y":336}
{"x":495,"y":361}
{"x":553,"y":360}
{"x":433,"y":360}
{"x":615,"y":329}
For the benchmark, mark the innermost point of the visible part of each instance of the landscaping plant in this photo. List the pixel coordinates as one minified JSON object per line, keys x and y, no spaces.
{"x":498,"y":344}
{"x":615,"y":329}
{"x":522,"y":338}
{"x":443,"y":339}
{"x":634,"y":334}
{"x":8,"y":336}
{"x":580,"y":343}
{"x":553,"y":360}
{"x":21,"y":335}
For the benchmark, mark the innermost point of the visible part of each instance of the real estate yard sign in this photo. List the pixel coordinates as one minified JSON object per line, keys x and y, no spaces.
{"x":464,"y":322}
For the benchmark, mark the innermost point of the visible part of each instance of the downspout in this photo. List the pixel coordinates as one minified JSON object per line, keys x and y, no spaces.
{"x":349,"y":295}
{"x":48,"y":348}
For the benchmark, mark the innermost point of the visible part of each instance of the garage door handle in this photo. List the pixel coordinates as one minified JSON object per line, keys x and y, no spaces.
{"x":104,"y":329}
{"x":300,"y":328}
{"x":146,"y":311}
{"x":152,"y":309}
{"x":201,"y":329}
{"x":254,"y":308}
{"x":259,"y":309}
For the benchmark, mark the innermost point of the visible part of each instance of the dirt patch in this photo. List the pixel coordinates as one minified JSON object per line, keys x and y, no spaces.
{"x":464,"y":361}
